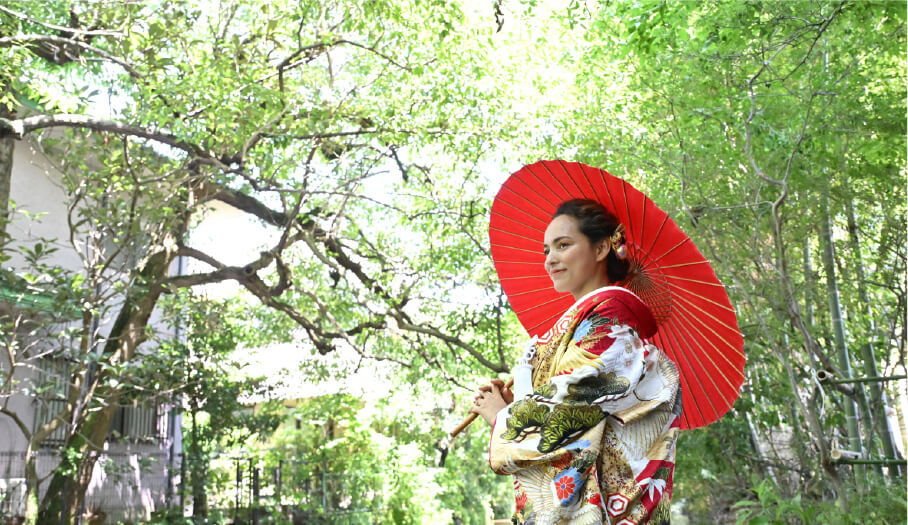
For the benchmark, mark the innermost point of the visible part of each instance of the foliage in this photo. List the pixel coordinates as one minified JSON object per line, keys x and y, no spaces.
{"x":330,"y":125}
{"x":345,"y":460}
{"x":735,"y":115}
{"x":742,"y":119}
{"x":885,"y":504}
{"x":360,"y":137}
{"x":708,"y":458}
{"x":216,"y":400}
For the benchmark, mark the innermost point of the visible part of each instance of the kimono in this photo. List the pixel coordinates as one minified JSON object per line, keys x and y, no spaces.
{"x":590,"y":436}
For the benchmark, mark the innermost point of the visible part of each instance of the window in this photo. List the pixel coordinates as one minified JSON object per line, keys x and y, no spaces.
{"x":139,"y":423}
{"x":131,"y":422}
{"x":51,"y":386}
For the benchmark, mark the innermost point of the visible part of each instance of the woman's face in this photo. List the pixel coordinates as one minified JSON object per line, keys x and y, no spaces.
{"x":575,"y":266}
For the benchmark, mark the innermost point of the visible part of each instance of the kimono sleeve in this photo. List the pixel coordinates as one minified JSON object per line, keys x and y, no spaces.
{"x":594,"y":377}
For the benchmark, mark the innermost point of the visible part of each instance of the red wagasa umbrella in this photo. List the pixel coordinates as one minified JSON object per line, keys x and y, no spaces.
{"x":698,"y":328}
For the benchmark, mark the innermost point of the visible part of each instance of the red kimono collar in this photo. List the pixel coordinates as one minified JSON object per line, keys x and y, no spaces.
{"x":640,"y":318}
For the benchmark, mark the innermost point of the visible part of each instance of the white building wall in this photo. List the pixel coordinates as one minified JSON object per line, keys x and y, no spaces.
{"x":35,"y":188}
{"x":127,"y":489}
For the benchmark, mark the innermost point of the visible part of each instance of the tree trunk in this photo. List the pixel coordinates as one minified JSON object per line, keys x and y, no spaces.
{"x":6,"y":174}
{"x":808,"y":295}
{"x":87,"y":438}
{"x":757,"y":442}
{"x":31,"y":487}
{"x":813,"y":420}
{"x":815,"y":429}
{"x":878,"y":396}
{"x":198,"y":473}
{"x":797,"y":409}
{"x":867,"y":423}
{"x":832,"y":289}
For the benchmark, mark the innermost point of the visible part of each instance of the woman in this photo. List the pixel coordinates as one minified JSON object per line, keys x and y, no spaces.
{"x":589,"y":430}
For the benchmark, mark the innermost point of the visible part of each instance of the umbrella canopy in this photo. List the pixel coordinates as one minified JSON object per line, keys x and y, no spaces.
{"x":698,"y":328}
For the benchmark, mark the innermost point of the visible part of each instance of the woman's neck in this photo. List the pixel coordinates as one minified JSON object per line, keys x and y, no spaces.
{"x":589,"y":286}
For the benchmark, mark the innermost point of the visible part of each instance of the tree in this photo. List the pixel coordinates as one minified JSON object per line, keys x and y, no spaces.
{"x":356,"y":133}
{"x":374,"y":456}
{"x":331,"y":124}
{"x":41,"y":324}
{"x":201,"y":374}
{"x":739,"y":118}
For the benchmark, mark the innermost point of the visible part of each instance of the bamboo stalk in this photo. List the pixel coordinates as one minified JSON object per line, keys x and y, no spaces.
{"x":838,"y":325}
{"x":877,"y":379}
{"x":877,"y":394}
{"x":896,"y":462}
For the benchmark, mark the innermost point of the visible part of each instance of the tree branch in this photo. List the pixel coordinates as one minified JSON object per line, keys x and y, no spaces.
{"x":374,"y":50}
{"x":19,"y":128}
{"x":18,"y":422}
{"x":62,"y":42}
{"x":201,"y":256}
{"x":251,"y":205}
{"x":429,"y":330}
{"x":346,"y":335}
{"x":63,"y":29}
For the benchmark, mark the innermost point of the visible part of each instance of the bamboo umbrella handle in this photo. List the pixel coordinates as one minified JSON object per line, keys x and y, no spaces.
{"x":472,"y":416}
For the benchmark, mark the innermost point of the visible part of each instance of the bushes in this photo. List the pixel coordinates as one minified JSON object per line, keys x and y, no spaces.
{"x":879,"y":503}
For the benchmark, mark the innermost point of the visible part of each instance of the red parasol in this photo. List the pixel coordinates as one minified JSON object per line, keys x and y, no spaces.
{"x":698,"y":328}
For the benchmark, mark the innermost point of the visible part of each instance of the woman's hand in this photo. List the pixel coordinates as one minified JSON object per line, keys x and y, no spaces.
{"x":506,"y":393}
{"x":491,"y":399}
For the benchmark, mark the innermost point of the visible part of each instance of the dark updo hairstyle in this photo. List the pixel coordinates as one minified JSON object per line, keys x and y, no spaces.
{"x":597,"y":224}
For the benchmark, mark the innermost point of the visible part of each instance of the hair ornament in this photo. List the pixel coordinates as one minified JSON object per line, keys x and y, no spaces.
{"x":617,"y":242}
{"x":621,"y":252}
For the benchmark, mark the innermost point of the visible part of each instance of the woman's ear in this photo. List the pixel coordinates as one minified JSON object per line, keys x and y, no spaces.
{"x":602,"y":250}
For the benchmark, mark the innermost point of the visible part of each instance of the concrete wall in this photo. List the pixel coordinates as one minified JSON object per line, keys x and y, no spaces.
{"x":35,"y":188}
{"x":131,"y":479}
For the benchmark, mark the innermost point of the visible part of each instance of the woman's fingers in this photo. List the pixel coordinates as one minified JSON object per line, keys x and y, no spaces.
{"x":489,"y":403}
{"x":498,"y":383}
{"x":485,"y":395}
{"x":495,"y":393}
{"x":507,"y":395}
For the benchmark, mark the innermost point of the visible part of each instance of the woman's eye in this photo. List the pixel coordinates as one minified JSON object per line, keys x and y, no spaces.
{"x":563,"y":245}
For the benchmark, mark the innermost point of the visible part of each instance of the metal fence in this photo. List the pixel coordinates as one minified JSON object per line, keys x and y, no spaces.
{"x":12,"y":479}
{"x":125,"y":486}
{"x":131,"y":423}
{"x":296,"y":490}
{"x":251,"y":489}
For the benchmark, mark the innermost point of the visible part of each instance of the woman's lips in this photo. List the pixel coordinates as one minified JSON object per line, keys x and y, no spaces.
{"x":556,"y":272}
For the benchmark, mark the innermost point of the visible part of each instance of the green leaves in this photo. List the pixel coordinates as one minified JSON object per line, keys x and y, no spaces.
{"x":681,"y":122}
{"x":771,"y":507}
{"x":387,"y":124}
